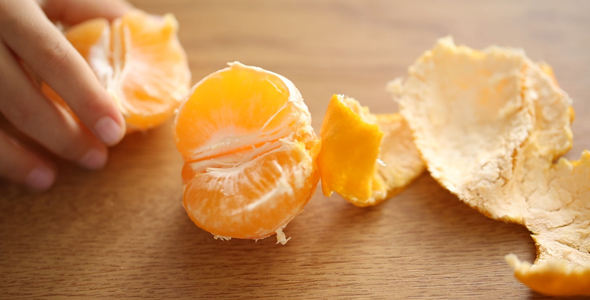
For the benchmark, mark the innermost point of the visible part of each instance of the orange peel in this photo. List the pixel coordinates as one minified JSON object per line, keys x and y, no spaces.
{"x":365,"y":158}
{"x":489,"y":125}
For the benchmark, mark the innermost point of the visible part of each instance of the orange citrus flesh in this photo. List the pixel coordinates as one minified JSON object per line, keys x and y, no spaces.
{"x":249,"y":149}
{"x":140,"y":62}
{"x":365,"y":158}
{"x":88,"y":36}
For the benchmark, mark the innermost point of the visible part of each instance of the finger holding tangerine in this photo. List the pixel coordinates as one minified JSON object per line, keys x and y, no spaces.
{"x":27,"y":35}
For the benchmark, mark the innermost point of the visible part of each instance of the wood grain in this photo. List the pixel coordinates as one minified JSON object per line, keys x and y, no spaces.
{"x":122,"y":232}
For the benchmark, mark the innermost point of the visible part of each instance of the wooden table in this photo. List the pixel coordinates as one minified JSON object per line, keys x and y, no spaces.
{"x":122,"y":232}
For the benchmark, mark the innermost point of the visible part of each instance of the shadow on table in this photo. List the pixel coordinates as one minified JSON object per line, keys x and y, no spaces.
{"x":126,"y":224}
{"x":408,"y":240}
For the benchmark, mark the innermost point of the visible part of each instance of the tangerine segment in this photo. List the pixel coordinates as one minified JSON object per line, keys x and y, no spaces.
{"x":91,"y":39}
{"x":229,"y":160}
{"x":139,"y":60}
{"x":249,"y":149}
{"x":365,"y":158}
{"x":254,"y":199}
{"x":238,"y":107}
{"x":151,"y":75}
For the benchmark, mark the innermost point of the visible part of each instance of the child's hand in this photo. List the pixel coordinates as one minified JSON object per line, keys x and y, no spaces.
{"x":26,"y":32}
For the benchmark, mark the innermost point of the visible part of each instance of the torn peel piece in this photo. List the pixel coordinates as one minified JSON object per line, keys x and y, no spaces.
{"x":469,"y":119}
{"x":281,"y":237}
{"x":365,"y":158}
{"x":554,"y":278}
{"x":223,"y":238}
{"x":489,"y":125}
{"x":561,"y":232}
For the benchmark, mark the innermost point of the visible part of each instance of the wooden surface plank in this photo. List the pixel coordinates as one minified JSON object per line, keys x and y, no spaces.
{"x":122,"y":232}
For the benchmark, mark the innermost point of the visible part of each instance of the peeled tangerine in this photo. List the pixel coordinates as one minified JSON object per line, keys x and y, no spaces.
{"x":249,"y":150}
{"x":489,"y":125}
{"x":140,"y":62}
{"x":365,"y":158}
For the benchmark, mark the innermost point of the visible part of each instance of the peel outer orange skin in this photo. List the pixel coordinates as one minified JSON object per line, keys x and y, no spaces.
{"x":249,"y":152}
{"x":349,"y":150}
{"x":557,"y":284}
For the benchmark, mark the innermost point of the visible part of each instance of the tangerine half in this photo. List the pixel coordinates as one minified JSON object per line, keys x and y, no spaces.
{"x":249,"y":149}
{"x":140,"y":62}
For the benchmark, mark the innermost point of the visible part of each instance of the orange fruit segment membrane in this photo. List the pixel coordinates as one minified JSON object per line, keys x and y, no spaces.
{"x":489,"y":125}
{"x":249,"y":149}
{"x":140,"y":62}
{"x":365,"y":158}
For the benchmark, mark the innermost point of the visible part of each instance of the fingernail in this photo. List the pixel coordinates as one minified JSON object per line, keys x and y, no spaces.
{"x":93,"y":159}
{"x":41,"y":178}
{"x":109,"y":131}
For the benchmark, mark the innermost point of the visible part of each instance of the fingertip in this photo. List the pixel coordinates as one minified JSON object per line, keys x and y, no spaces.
{"x":41,"y":178}
{"x":19,"y":164}
{"x":109,"y":125}
{"x":109,"y":131}
{"x":94,"y":159}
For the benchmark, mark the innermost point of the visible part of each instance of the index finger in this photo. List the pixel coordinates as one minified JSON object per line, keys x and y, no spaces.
{"x":39,"y":43}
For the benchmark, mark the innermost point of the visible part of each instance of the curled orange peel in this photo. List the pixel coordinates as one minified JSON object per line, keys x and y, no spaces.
{"x":489,"y":125}
{"x":365,"y":158}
